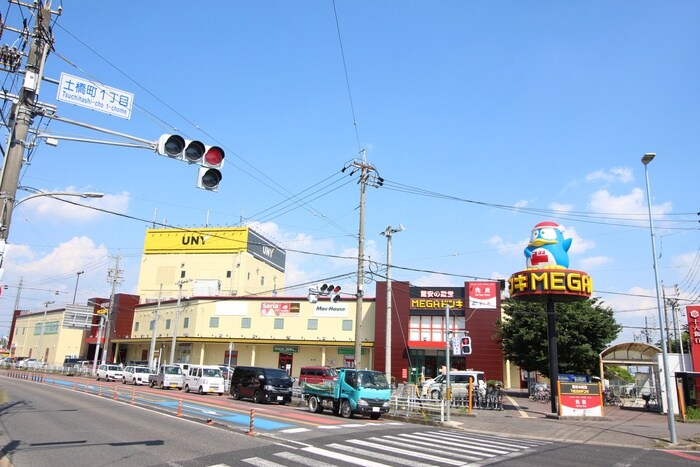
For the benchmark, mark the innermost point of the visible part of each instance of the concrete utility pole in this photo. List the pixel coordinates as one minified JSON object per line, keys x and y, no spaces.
{"x":177,"y":318}
{"x":366,"y":177}
{"x":115,"y":277}
{"x":23,"y":112}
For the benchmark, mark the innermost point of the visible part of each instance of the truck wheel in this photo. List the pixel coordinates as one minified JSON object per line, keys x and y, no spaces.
{"x":314,"y":405}
{"x":151,"y":384}
{"x":123,"y":380}
{"x":162,"y":385}
{"x":201,"y":390}
{"x":346,"y":409}
{"x":187,"y":388}
{"x":236,"y":393}
{"x":435,"y":394}
{"x":258,"y":397}
{"x":375,"y":416}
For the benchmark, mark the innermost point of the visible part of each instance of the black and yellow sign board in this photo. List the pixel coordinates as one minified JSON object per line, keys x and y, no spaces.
{"x":204,"y":240}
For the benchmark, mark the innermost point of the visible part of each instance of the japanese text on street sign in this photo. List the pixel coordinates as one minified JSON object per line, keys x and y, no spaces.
{"x":95,"y":96}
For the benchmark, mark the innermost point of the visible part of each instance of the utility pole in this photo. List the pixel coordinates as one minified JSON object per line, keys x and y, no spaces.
{"x":115,"y":276}
{"x":367,"y":175}
{"x":177,"y":318}
{"x":23,"y":112}
{"x":152,"y":350}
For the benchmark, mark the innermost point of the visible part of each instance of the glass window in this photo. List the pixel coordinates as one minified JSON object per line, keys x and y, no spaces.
{"x":214,"y":322}
{"x":347,"y":325}
{"x":37,"y":329}
{"x":186,"y":323}
{"x":245,"y":323}
{"x":152,"y":325}
{"x":167,"y":323}
{"x":312,"y":324}
{"x":136,"y":326}
{"x":279,"y":323}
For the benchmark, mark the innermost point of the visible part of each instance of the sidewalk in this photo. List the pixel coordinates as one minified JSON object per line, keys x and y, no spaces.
{"x":619,"y":426}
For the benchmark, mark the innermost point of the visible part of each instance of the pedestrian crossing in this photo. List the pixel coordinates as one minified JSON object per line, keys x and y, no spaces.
{"x":426,"y":448}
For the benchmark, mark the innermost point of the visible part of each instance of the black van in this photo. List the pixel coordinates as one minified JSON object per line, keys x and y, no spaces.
{"x":261,"y":384}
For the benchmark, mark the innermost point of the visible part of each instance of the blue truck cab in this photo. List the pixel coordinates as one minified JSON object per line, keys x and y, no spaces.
{"x":361,"y":392}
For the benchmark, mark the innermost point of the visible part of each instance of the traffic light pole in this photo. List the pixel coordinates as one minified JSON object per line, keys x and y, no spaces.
{"x":23,"y":114}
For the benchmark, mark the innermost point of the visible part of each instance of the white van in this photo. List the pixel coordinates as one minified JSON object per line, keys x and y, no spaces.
{"x":204,"y":379}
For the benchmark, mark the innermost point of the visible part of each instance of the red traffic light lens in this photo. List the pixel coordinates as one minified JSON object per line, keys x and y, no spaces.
{"x":194,"y":151}
{"x":211,"y":178}
{"x":214,"y":156}
{"x":174,"y":145}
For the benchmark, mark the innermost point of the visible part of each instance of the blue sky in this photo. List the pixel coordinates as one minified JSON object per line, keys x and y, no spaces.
{"x":484,"y":119}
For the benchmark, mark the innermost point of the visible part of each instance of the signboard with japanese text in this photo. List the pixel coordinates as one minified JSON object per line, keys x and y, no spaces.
{"x":95,"y":96}
{"x":483,"y":295}
{"x":580,"y":399}
{"x":437,"y":298}
{"x":693,"y":313}
{"x":279,"y":309}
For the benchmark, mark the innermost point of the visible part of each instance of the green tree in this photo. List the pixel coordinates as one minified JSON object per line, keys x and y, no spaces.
{"x":584,"y":329}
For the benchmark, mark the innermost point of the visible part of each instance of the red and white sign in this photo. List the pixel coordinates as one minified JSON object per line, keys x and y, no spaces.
{"x":482,"y":294}
{"x":580,"y":399}
{"x":693,"y":313}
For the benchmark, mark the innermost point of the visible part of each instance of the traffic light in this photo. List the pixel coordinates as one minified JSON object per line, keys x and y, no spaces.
{"x":209,"y":179}
{"x":190,"y":151}
{"x":335,"y":294}
{"x":330,"y":290}
{"x":465,"y":345}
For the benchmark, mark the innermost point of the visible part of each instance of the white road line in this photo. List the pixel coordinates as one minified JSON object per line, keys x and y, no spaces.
{"x":261,"y":462}
{"x":295,"y":430}
{"x":408,"y":453}
{"x":352,"y":460}
{"x":303,"y":460}
{"x":375,"y":455}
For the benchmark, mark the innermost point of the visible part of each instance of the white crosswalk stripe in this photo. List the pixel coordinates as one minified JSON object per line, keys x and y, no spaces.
{"x":430,"y":448}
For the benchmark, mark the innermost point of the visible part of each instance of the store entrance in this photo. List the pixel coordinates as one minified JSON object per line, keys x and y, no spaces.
{"x":285,"y":362}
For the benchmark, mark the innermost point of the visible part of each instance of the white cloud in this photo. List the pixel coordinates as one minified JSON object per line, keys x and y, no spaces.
{"x":578,"y":244}
{"x":592,"y":262}
{"x":561,"y":207}
{"x":616,"y":174}
{"x":74,"y":209}
{"x":633,"y":203}
{"x":523,"y":203}
{"x":506,"y":248}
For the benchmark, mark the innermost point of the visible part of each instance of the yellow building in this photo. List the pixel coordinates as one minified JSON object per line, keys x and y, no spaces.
{"x":277,"y":332}
{"x":230,"y":261}
{"x":42,"y":335}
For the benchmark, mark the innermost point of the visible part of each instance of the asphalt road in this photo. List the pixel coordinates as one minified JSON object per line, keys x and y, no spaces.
{"x":60,"y":424}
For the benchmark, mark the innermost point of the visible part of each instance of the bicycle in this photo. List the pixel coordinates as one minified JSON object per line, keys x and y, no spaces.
{"x":541,"y":394}
{"x":610,"y":398}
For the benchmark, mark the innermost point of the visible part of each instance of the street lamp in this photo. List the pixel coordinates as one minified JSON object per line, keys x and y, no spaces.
{"x":77,"y":278}
{"x":177,"y":317}
{"x":388,"y":232}
{"x":5,"y":213}
{"x":662,"y":322}
{"x":54,"y":194}
{"x":43,"y":326}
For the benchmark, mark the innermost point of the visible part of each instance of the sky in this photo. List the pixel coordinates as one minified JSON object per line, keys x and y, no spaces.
{"x":482,"y":118}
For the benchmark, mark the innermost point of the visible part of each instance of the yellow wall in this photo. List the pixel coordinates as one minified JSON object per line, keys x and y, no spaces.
{"x":256,"y":344}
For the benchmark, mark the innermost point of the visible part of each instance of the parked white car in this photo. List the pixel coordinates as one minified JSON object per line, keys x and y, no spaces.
{"x":109,"y":372}
{"x":136,"y":375}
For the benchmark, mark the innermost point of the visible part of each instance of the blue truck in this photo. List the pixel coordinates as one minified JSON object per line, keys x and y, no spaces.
{"x":356,"y":392}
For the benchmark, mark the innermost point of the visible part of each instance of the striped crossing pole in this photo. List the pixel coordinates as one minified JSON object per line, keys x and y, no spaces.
{"x":251,"y":430}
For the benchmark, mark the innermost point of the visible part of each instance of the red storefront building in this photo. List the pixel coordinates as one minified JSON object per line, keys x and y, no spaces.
{"x":418,"y":316}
